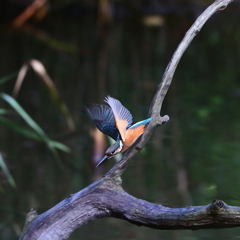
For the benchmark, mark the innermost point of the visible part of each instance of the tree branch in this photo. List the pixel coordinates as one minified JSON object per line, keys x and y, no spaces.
{"x":106,"y":198}
{"x":164,"y":85}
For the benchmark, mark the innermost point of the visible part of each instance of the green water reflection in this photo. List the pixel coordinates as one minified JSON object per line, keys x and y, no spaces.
{"x":191,"y":160}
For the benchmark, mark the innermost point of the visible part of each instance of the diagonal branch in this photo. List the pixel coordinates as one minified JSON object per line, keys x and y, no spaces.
{"x":164,"y":85}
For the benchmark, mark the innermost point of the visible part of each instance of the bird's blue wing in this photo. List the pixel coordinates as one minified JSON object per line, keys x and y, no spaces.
{"x":103,"y":118}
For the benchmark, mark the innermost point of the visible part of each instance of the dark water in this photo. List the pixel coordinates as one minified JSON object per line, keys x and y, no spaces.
{"x":191,"y":160}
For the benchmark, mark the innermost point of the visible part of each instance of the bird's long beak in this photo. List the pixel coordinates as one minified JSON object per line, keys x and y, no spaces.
{"x":104,"y":158}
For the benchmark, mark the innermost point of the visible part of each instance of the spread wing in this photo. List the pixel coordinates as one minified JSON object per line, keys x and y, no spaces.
{"x":102,"y":116}
{"x":123,"y":117}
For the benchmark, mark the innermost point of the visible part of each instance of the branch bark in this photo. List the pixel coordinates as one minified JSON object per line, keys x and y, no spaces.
{"x":106,"y":198}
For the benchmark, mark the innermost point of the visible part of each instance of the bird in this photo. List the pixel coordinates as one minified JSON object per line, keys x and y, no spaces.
{"x":116,"y":122}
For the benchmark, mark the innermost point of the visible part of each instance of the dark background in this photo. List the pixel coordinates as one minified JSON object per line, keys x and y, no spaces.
{"x":91,"y":49}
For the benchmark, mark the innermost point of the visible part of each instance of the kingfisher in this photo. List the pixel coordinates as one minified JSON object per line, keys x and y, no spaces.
{"x":115,"y":121}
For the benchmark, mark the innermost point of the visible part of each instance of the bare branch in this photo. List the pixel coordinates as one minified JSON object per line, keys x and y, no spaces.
{"x":164,"y":85}
{"x":106,"y":198}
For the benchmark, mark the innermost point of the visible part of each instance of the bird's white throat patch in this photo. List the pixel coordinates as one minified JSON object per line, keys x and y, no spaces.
{"x":121,"y":145}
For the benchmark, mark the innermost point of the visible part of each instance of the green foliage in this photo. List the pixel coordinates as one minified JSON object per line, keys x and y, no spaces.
{"x":8,"y":77}
{"x":33,"y":135}
{"x":40,"y":70}
{"x":6,"y":172}
{"x":41,"y":135}
{"x":35,"y":132}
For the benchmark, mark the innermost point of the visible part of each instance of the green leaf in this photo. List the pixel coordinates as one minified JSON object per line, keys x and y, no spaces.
{"x":59,"y":146}
{"x":30,"y":134}
{"x":15,"y":105}
{"x":40,"y":70}
{"x":8,"y":77}
{"x":3,"y":111}
{"x":6,"y":172}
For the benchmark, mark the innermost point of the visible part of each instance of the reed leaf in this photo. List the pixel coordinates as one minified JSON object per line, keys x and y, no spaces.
{"x":6,"y":172}
{"x":8,"y":77}
{"x":30,"y":134}
{"x":40,"y":70}
{"x":15,"y":105}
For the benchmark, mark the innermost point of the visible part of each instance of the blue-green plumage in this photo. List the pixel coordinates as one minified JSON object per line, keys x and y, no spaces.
{"x":102,"y":116}
{"x":141,"y":123}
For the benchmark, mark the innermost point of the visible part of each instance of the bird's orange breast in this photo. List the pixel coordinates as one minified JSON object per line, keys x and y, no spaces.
{"x":132,"y":135}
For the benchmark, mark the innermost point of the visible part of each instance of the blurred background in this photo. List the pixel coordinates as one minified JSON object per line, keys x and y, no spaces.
{"x":57,"y":56}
